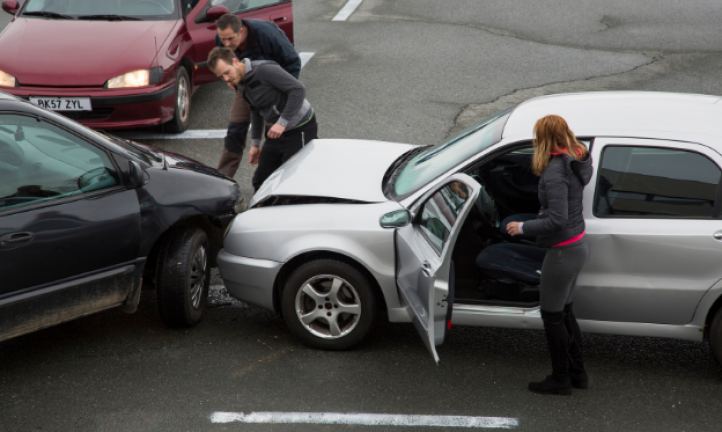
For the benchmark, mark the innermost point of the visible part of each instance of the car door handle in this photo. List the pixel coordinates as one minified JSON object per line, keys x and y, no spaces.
{"x":280,"y":19}
{"x":426,"y":268}
{"x":717,"y":235}
{"x":13,"y":240}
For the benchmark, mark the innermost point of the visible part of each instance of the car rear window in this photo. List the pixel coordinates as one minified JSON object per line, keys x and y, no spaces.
{"x":655,"y":182}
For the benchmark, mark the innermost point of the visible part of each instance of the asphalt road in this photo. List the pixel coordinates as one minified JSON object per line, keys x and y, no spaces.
{"x":408,"y":71}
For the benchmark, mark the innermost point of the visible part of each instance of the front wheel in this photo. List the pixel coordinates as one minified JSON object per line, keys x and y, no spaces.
{"x":182,"y":117}
{"x":183,"y":276}
{"x":715,"y":336}
{"x":328,"y":304}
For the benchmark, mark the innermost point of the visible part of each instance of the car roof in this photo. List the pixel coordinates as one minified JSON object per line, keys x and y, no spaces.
{"x":676,"y":116}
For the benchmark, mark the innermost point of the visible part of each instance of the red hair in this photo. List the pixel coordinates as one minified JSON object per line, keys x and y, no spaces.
{"x":552,"y":135}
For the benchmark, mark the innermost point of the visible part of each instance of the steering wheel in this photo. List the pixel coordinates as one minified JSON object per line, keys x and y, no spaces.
{"x":486,"y":205}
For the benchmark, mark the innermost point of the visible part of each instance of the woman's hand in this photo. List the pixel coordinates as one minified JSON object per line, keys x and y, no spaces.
{"x":513,"y":228}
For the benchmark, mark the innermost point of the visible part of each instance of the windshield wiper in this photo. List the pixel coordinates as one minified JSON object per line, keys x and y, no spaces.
{"x":109,"y":17}
{"x":47,"y":14}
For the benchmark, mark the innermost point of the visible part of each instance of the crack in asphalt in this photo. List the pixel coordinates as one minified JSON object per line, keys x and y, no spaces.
{"x":658,"y":65}
{"x":608,"y":21}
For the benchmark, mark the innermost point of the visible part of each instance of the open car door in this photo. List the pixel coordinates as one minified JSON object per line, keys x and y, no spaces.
{"x":424,"y":247}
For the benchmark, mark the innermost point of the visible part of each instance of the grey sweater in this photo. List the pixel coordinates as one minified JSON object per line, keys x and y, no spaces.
{"x":274,"y":96}
{"x":561,"y":188}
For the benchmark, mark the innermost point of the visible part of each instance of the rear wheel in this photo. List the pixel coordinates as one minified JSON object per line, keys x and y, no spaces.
{"x":715,"y":336}
{"x":328,"y":304}
{"x":183,"y":276}
{"x":182,"y":117}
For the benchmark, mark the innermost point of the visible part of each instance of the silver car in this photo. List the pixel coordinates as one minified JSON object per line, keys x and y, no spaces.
{"x":349,"y":231}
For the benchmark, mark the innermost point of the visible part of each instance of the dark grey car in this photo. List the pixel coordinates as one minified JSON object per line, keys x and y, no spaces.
{"x":86,"y":217}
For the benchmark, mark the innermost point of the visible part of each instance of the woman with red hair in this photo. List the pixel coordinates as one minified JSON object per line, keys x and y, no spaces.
{"x":564,"y":167}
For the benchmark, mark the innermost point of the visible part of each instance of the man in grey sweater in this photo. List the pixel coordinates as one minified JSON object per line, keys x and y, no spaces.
{"x":277,"y":100}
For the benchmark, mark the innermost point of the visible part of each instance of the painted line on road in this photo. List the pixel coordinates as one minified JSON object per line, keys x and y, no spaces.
{"x":305,"y":57}
{"x":347,"y":10}
{"x":365,"y":419}
{"x":196,"y":133}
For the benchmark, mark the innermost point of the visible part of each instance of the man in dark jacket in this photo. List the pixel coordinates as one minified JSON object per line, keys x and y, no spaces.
{"x":255,"y":40}
{"x":275,"y":98}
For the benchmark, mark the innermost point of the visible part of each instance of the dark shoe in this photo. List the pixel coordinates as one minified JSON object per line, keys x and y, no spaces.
{"x":550,"y":385}
{"x":579,"y":381}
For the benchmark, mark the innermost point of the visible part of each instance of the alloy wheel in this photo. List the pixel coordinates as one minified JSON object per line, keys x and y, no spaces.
{"x":183,"y":96}
{"x":198,"y":276}
{"x":328,"y":306}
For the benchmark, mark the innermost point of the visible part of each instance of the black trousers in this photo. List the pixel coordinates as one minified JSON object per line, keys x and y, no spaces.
{"x":277,"y":151}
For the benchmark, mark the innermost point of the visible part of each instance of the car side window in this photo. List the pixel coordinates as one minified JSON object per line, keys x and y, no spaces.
{"x":42,"y":162}
{"x":187,"y":6}
{"x":439,"y":214}
{"x":236,"y":6}
{"x":655,"y":182}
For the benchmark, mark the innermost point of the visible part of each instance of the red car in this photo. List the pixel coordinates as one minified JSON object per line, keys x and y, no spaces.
{"x":112,"y":64}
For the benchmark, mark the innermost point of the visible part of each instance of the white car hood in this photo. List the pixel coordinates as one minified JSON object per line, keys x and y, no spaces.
{"x":337,"y":168}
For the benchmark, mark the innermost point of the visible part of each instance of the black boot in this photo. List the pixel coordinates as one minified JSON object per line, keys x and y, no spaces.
{"x":558,"y":339}
{"x":577,"y":374}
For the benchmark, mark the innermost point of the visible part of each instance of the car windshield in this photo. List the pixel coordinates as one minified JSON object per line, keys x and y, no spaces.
{"x":102,"y":10}
{"x":438,"y":159}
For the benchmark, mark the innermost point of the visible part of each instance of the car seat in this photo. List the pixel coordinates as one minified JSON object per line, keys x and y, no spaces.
{"x":511,"y":271}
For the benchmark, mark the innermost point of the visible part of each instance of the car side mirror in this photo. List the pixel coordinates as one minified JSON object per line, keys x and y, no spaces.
{"x":395,"y":219}
{"x":138,"y":176}
{"x":215,"y":12}
{"x":10,"y":6}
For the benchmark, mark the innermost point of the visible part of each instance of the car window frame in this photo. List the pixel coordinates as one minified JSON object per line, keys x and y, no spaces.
{"x":122,"y":185}
{"x":716,"y":207}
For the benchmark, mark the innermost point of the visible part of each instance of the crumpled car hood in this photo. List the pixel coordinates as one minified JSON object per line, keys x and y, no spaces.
{"x":338,"y":168}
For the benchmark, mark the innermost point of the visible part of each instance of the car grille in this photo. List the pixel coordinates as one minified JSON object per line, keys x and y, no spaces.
{"x":96,"y":114}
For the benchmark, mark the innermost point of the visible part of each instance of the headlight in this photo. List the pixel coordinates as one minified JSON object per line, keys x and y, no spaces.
{"x":7,"y":80}
{"x":139,"y":78}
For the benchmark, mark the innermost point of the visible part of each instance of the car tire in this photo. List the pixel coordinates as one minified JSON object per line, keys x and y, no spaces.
{"x":715,"y":336}
{"x":182,"y":114}
{"x":329,"y":305}
{"x":183,"y":276}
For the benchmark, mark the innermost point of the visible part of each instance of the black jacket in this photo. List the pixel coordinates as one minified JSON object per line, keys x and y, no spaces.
{"x":561,"y":188}
{"x":265,"y":41}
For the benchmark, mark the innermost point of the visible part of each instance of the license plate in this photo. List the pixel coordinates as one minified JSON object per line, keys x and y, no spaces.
{"x":63,"y":103}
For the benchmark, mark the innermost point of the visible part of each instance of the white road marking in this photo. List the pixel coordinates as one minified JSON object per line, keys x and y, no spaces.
{"x":365,"y":419}
{"x":189,"y":134}
{"x":196,"y":133}
{"x":305,"y":57}
{"x":347,"y":10}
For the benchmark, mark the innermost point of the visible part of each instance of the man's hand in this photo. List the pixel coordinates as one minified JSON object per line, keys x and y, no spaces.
{"x":276,"y":131}
{"x":253,"y":154}
{"x":512,"y":228}
{"x":231,"y":86}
